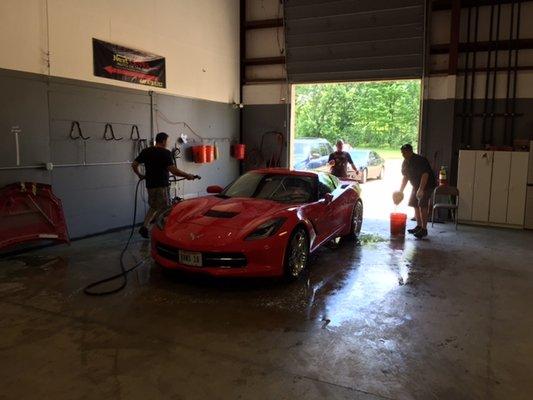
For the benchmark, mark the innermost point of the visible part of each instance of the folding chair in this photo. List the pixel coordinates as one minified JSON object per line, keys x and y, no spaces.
{"x":453,"y":206}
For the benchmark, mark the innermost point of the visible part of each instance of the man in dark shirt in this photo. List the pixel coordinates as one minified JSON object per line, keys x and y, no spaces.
{"x":158,"y":163}
{"x":417,"y":170}
{"x":339,"y":160}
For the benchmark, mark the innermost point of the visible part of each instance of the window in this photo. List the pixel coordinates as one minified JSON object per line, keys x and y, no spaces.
{"x":325,"y":185}
{"x":281,"y":188}
{"x":324,"y":151}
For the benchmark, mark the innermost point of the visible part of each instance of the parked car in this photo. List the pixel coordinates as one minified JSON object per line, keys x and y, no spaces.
{"x":369,"y":163}
{"x":311,"y":154}
{"x":266,"y":223}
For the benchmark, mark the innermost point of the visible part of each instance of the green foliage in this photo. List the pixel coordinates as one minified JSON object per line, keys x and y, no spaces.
{"x":364,"y":114}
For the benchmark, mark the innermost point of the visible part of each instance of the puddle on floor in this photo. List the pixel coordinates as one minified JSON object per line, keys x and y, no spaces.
{"x":371,"y":238}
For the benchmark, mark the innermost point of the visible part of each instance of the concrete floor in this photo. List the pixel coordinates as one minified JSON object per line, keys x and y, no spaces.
{"x":445,"y":318}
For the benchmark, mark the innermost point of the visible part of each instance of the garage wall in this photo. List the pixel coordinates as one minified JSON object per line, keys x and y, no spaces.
{"x":198,"y":38}
{"x":94,"y":178}
{"x":266,"y":93}
{"x":46,"y":82}
{"x":442,"y":125}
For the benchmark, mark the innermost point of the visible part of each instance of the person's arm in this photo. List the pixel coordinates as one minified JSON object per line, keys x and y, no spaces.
{"x":331,"y":161}
{"x":404,"y":183}
{"x":135,"y":168}
{"x":178,"y":172}
{"x":423,"y":183}
{"x":349,"y":157}
{"x":405,"y":179}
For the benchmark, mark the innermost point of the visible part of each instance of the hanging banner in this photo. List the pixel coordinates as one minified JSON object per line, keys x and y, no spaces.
{"x":128,"y":65}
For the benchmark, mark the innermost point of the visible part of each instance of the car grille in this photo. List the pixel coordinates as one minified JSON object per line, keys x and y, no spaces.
{"x":217,"y":260}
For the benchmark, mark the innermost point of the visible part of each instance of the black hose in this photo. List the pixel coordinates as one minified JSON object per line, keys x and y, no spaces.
{"x":473,"y":87}
{"x":487,"y":79}
{"x":123,"y":271}
{"x":464,"y":118}
{"x":515,"y":72}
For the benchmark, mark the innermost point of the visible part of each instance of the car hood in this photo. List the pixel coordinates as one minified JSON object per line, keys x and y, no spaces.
{"x":236,"y":214}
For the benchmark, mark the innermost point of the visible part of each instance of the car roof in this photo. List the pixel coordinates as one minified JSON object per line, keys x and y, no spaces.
{"x":285,"y":171}
{"x":362,"y":151}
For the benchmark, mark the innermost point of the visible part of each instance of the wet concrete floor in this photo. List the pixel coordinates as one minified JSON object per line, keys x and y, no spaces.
{"x":445,"y":318}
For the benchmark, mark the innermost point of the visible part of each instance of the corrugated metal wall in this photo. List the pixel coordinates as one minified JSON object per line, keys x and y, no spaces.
{"x":343,"y":40}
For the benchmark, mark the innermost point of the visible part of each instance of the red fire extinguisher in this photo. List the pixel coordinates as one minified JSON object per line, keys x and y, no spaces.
{"x":239,"y":151}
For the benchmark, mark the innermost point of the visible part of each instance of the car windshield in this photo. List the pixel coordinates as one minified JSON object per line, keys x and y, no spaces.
{"x":276,"y":187}
{"x":359,"y":156}
{"x":301,"y":148}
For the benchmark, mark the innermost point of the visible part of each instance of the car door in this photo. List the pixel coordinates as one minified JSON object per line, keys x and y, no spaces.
{"x":341,"y":206}
{"x":373,"y":161}
{"x":322,"y":213}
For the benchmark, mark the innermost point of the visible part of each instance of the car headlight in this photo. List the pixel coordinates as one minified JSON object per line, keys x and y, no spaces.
{"x":266,"y":229}
{"x":162,"y":218}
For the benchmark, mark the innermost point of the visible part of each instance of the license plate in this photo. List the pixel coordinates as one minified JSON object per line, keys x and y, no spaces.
{"x":190,"y":258}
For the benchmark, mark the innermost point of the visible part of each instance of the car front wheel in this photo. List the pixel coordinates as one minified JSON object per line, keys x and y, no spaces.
{"x":357,"y":220}
{"x":297,"y":254}
{"x":381,"y":173}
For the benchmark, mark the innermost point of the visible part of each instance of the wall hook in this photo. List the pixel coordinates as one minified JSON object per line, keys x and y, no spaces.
{"x":76,"y":124}
{"x":109,"y":131}
{"x":134,"y":135}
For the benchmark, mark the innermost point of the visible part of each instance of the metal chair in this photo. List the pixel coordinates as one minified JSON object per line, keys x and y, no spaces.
{"x":453,"y":206}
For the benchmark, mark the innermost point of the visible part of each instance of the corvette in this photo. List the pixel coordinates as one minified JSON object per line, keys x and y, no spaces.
{"x":266,"y":223}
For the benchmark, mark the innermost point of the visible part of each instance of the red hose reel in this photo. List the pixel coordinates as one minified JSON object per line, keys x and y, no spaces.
{"x":28,"y":212}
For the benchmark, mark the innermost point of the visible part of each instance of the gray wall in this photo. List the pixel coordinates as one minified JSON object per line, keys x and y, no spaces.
{"x":259,"y":119}
{"x":441,"y":129}
{"x":99,"y":197}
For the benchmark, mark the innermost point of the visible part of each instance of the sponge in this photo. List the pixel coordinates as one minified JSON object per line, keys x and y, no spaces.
{"x":397,"y":197}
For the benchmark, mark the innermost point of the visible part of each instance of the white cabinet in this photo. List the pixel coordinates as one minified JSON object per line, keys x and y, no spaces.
{"x":517,"y":189}
{"x":465,"y":184}
{"x":482,"y":181}
{"x":499,"y":188}
{"x":529,"y":208}
{"x":492,"y":187}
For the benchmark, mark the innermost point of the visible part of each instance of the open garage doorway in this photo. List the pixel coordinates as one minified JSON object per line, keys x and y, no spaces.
{"x":372,"y":118}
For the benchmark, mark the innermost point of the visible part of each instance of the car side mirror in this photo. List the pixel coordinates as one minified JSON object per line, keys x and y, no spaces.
{"x":328,"y":198}
{"x":314,"y":156}
{"x":214,"y":189}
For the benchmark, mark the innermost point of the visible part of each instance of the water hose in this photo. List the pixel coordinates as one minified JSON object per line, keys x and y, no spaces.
{"x":123,"y":270}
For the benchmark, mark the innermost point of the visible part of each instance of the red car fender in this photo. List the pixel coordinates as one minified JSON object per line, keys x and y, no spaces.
{"x":310,"y":231}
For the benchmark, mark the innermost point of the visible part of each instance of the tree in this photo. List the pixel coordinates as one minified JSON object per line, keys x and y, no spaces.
{"x":364,"y":114}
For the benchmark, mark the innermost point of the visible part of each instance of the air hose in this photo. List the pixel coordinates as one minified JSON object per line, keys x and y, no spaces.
{"x":123,"y":270}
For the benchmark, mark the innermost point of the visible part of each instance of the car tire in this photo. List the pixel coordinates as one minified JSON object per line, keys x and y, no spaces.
{"x":381,"y":173}
{"x":364,"y":176}
{"x":357,"y":220}
{"x":296,"y":254}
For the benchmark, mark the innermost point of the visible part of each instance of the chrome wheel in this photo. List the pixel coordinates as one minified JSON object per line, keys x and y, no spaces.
{"x":298,"y":253}
{"x":357,"y":218}
{"x":381,"y":173}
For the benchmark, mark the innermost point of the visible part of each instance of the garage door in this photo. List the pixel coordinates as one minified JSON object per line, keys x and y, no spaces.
{"x":344,"y":40}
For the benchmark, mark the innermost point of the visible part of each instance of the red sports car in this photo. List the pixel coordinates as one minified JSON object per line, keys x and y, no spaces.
{"x":263,"y":224}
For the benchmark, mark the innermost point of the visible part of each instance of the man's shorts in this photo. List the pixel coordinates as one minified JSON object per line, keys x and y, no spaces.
{"x":158,"y":198}
{"x":423,"y":202}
